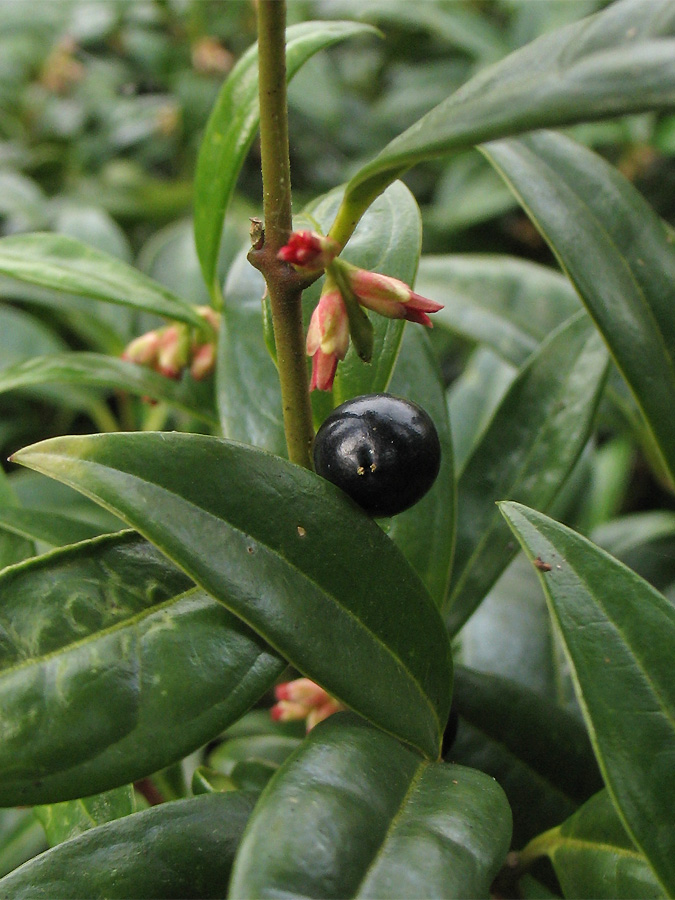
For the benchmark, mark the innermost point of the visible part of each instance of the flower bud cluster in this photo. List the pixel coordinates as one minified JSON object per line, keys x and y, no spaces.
{"x":337,"y":315}
{"x":176,"y":347}
{"x":303,"y":699}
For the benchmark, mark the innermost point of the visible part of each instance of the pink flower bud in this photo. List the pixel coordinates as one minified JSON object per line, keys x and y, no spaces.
{"x":203,"y":361}
{"x":144,"y":349}
{"x":287,"y":711}
{"x":174,"y":351}
{"x":210,"y":314}
{"x":327,"y":338}
{"x":309,"y":251}
{"x":319,"y":713}
{"x":301,"y":690}
{"x":388,"y":296}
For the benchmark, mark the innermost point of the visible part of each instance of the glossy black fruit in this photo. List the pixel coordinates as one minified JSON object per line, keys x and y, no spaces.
{"x":382,"y":451}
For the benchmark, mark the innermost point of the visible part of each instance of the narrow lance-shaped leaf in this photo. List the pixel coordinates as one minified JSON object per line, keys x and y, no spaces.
{"x":618,"y":253}
{"x":539,"y":753}
{"x":593,"y":856}
{"x":64,"y":821}
{"x":525,"y":454}
{"x":13,"y":547}
{"x":99,"y":682}
{"x":507,"y":303}
{"x":182,"y":849}
{"x":425,"y":532}
{"x":619,"y":635}
{"x":21,"y":838}
{"x":99,"y":370}
{"x":287,"y":553}
{"x":370,"y":818}
{"x":65,"y":264}
{"x":233,"y":125}
{"x":618,"y":61}
{"x":46,"y":526}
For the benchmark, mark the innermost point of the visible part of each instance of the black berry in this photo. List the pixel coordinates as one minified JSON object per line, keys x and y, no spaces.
{"x":382,"y":451}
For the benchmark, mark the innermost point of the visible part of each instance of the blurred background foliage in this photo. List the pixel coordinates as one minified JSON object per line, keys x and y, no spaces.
{"x":102,"y":108}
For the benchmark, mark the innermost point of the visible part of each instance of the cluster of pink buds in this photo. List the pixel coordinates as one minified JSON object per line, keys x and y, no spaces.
{"x":338,"y":312}
{"x":176,"y":347}
{"x":303,"y":699}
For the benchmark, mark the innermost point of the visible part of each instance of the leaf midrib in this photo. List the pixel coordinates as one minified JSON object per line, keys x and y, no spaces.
{"x":123,"y":515}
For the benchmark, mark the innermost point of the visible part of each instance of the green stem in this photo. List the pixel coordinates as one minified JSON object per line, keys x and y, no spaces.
{"x":283,"y":283}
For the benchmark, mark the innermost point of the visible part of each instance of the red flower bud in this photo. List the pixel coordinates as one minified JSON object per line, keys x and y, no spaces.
{"x":309,"y":251}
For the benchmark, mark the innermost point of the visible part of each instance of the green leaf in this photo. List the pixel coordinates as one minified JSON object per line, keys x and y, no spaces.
{"x":286,"y":552}
{"x":353,"y":813}
{"x":13,"y":547}
{"x":21,"y":837}
{"x":269,"y":748}
{"x":618,"y":61}
{"x":65,"y":264}
{"x":550,"y":740}
{"x":247,"y":382}
{"x":618,"y":253}
{"x":63,"y":821}
{"x":473,"y":398}
{"x":182,"y":849}
{"x":539,"y":753}
{"x":526,"y":453}
{"x":511,"y":635}
{"x":48,"y":527}
{"x":619,"y":634}
{"x":535,"y":802}
{"x":99,"y":682}
{"x":593,"y":856}
{"x":97,"y":369}
{"x":425,"y":532}
{"x":233,"y":125}
{"x":507,"y":303}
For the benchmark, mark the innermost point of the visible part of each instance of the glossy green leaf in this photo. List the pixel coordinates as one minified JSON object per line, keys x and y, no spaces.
{"x":13,"y":547}
{"x":511,"y":635}
{"x":233,"y":125}
{"x":99,"y":682}
{"x":256,"y":532}
{"x":273,"y":749}
{"x":182,"y":849}
{"x":65,"y":264}
{"x":247,"y":382}
{"x":593,"y":856}
{"x":507,"y":303}
{"x":63,"y":821}
{"x":26,"y":336}
{"x":645,"y":542}
{"x":552,"y":741}
{"x":21,"y":837}
{"x":619,"y":634}
{"x":539,"y":753}
{"x":617,"y":252}
{"x":618,"y":61}
{"x":536,"y":804}
{"x":353,"y":813}
{"x":99,"y":370}
{"x":388,"y":239}
{"x":48,"y":527}
{"x":526,"y":453}
{"x":472,"y":399}
{"x":208,"y":781}
{"x":425,"y":532}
